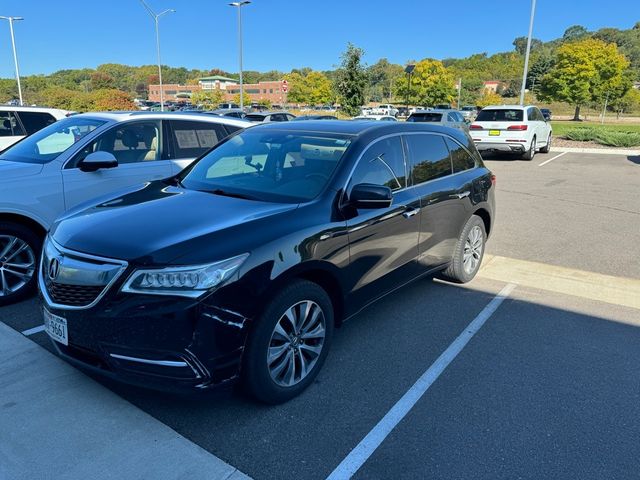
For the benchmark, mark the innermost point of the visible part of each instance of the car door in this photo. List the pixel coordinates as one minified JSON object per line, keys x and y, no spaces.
{"x":384,"y":241}
{"x":188,"y":139}
{"x":544,"y":127}
{"x":10,"y":129}
{"x":441,"y":209}
{"x":141,"y":158}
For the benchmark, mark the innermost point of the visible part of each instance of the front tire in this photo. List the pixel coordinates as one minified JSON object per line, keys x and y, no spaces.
{"x":289,"y":343}
{"x":468,"y":253}
{"x":532,"y":150}
{"x":19,"y":256}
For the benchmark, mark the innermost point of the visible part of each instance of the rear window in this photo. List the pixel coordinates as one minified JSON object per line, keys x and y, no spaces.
{"x":425,"y":117}
{"x":500,"y":115}
{"x":254,"y":118}
{"x":34,"y":121}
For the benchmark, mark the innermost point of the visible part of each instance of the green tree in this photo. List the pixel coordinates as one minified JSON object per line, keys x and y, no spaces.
{"x":382,"y":77}
{"x":351,"y":80}
{"x":574,"y":33}
{"x":520,"y":44}
{"x":101,"y":80}
{"x":431,"y":84}
{"x":209,"y":99}
{"x":110,"y":99}
{"x":584,"y":72}
{"x":489,"y":97}
{"x":314,"y":88}
{"x":629,"y":102}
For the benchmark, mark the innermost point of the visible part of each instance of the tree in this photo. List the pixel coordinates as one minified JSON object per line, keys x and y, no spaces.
{"x":382,"y":76}
{"x":629,"y":102}
{"x":574,"y":33}
{"x":431,"y":84}
{"x":539,"y":68}
{"x":236,"y":98}
{"x":209,"y":99}
{"x":351,"y":80}
{"x":489,"y":97}
{"x":111,"y":99}
{"x":585,"y":71}
{"x":313,"y":88}
{"x":100,"y":80}
{"x":520,"y":44}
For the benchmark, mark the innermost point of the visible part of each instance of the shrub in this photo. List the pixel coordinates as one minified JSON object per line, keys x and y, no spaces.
{"x":604,"y":137}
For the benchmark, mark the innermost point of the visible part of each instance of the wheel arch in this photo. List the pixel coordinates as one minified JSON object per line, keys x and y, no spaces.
{"x":28,"y":222}
{"x":486,"y":218}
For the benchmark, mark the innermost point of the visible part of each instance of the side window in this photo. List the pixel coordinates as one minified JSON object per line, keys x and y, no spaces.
{"x":530,"y":115}
{"x":9,"y":125}
{"x":429,"y":157}
{"x":278,"y":117}
{"x":382,"y":164}
{"x":191,"y":139}
{"x":460,"y":159}
{"x":129,"y":143}
{"x":34,"y":121}
{"x":451,"y":117}
{"x":539,"y":115}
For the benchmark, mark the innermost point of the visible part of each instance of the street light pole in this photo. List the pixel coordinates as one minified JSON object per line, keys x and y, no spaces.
{"x":526,"y":56}
{"x":409,"y":70}
{"x":156,"y":17}
{"x":15,"y":55}
{"x":239,"y":5}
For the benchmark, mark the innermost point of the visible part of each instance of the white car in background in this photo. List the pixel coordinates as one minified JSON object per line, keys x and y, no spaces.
{"x":511,"y":129}
{"x":385,"y":109}
{"x":83,"y":157}
{"x":379,"y":118}
{"x":18,"y":122}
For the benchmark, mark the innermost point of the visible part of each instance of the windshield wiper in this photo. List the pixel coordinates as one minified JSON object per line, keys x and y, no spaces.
{"x":224,"y":193}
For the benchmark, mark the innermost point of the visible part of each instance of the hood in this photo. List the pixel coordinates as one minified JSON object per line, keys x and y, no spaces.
{"x":157,"y":223}
{"x":10,"y":170}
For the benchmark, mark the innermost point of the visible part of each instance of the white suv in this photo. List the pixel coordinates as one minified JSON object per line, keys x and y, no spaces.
{"x":511,"y":128}
{"x":18,"y":122}
{"x":82,"y":157}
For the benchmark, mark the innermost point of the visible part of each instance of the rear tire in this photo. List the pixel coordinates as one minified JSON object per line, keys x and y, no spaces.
{"x":529,"y":154}
{"x":283,"y":357}
{"x":469,"y":252}
{"x":19,"y":258}
{"x":547,"y":147}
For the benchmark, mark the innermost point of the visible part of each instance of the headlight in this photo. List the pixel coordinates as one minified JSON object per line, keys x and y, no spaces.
{"x":189,"y":281}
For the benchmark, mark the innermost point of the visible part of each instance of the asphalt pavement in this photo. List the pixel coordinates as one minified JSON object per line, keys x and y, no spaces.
{"x":548,"y":387}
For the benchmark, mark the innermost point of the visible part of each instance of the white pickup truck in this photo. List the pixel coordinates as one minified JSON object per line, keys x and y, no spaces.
{"x":384,"y":109}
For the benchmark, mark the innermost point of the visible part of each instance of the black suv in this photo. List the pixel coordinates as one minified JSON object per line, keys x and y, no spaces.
{"x":242,"y":265}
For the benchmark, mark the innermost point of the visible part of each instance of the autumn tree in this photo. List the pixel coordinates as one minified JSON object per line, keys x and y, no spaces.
{"x":110,"y":99}
{"x":585,"y":72}
{"x":209,"y":99}
{"x":431,"y":84}
{"x":351,"y":80}
{"x":314,"y":88}
{"x":101,"y":80}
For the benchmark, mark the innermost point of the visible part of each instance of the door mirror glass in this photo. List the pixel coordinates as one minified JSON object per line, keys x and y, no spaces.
{"x":368,"y":195}
{"x":98,"y":160}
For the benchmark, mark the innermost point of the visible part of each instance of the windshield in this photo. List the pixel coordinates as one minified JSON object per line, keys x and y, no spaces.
{"x":269,"y":166}
{"x":500,"y":115}
{"x":46,"y":144}
{"x":425,"y":117}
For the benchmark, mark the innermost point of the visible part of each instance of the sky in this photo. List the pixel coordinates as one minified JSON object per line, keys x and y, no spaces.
{"x":282,"y":34}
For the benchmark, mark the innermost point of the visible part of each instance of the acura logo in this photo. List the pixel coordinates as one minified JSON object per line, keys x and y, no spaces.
{"x":54,"y":268}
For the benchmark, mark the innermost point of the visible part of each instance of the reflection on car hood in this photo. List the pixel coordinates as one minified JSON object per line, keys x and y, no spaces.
{"x":156,"y":223}
{"x":10,"y":170}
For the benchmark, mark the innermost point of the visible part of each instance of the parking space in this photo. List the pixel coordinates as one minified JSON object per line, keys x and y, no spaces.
{"x":547,"y":388}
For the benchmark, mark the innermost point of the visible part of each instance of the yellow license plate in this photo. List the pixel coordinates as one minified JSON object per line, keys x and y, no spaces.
{"x":494,"y":133}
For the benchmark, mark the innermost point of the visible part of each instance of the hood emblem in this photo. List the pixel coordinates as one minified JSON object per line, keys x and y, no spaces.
{"x":54,"y":268}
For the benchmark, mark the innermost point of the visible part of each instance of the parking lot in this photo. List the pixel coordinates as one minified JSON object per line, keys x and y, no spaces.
{"x":548,"y":387}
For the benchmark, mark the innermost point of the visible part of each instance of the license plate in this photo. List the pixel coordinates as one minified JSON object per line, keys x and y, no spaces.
{"x":494,"y":133}
{"x":56,"y":327}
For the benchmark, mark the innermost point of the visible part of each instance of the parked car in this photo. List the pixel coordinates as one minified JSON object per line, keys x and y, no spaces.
{"x":385,"y":109}
{"x":403,"y":112}
{"x":469,"y":112}
{"x":512,"y":129}
{"x":315,"y":117}
{"x":80,"y":158}
{"x":241,"y":266}
{"x":378,"y":118}
{"x":228,"y":105}
{"x":18,"y":122}
{"x":446,"y":118}
{"x":546,"y":113}
{"x":227,"y":112}
{"x":279,"y":116}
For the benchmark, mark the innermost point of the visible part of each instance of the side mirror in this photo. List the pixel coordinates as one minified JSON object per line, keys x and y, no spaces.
{"x":368,"y":195}
{"x":97,"y":160}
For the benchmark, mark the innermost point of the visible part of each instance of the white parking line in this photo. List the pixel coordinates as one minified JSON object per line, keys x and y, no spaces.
{"x":361,"y":453}
{"x":33,"y":331}
{"x":553,"y":158}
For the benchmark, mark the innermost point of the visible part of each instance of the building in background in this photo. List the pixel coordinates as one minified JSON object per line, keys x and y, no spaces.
{"x":271,"y":91}
{"x":216,"y":82}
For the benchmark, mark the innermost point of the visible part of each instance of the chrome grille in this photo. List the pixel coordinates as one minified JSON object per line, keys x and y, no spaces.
{"x":72,"y":295}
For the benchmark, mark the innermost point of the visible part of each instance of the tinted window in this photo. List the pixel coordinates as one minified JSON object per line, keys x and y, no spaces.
{"x":500,"y":115}
{"x":46,"y":144}
{"x":9,"y":126}
{"x":460,"y":158}
{"x":425,"y":117}
{"x":382,"y":164}
{"x":429,"y":157}
{"x":129,"y":143}
{"x":191,"y":139}
{"x":34,"y":121}
{"x":278,"y":117}
{"x":451,"y":117}
{"x":269,"y":166}
{"x":254,"y":118}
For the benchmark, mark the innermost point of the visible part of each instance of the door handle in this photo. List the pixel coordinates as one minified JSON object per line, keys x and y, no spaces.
{"x":410,"y":213}
{"x":466,"y":193}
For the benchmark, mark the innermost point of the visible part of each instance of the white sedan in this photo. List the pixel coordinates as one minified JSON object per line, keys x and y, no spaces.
{"x":511,"y":128}
{"x":380,"y":118}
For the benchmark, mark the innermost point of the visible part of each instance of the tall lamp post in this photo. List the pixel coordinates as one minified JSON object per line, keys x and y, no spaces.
{"x":239,"y":5}
{"x":15,"y":56}
{"x":526,"y":56}
{"x":155,"y":17}
{"x":409,"y":70}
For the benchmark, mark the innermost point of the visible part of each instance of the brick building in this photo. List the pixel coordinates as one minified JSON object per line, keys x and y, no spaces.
{"x":253,"y":92}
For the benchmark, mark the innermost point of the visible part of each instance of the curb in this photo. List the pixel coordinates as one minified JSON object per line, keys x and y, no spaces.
{"x":59,"y":423}
{"x":605,"y":151}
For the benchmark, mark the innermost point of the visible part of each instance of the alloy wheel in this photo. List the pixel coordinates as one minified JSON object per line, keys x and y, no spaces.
{"x":296,"y":343}
{"x":472,"y":250}
{"x":17,"y":264}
